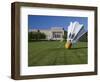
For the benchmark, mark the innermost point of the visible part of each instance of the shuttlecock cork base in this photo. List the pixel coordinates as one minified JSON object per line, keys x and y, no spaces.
{"x":68,"y":45}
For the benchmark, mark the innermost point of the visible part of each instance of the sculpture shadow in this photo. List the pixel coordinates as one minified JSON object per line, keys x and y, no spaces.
{"x":78,"y":48}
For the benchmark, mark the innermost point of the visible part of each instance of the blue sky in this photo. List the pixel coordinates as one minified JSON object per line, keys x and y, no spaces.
{"x":46,"y":22}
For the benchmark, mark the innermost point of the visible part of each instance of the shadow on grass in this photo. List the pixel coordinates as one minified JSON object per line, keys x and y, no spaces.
{"x":59,"y":49}
{"x":78,"y":48}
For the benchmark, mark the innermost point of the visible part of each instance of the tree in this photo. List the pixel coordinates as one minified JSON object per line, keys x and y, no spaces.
{"x":65,"y":35}
{"x":36,"y":36}
{"x":43,"y":36}
{"x":84,"y":38}
{"x":30,"y":36}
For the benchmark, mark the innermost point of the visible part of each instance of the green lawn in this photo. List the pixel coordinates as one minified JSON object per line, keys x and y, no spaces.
{"x":53,"y":53}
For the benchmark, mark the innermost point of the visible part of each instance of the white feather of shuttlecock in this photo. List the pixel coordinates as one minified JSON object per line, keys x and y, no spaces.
{"x":75,"y":31}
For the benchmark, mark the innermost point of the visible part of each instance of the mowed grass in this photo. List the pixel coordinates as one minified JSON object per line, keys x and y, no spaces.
{"x":54,"y":53}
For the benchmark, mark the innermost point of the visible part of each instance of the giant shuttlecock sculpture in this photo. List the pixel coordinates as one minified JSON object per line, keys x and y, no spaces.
{"x":74,"y":32}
